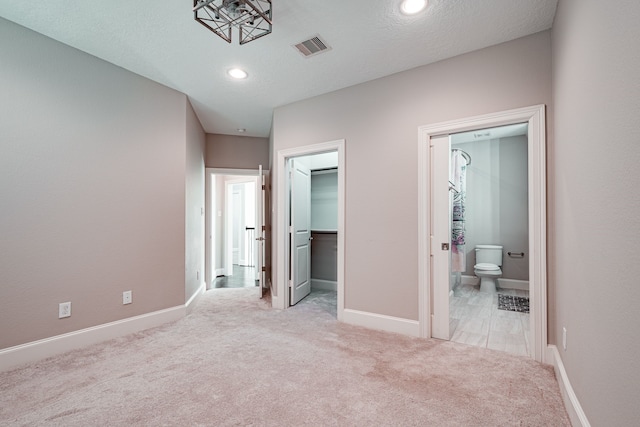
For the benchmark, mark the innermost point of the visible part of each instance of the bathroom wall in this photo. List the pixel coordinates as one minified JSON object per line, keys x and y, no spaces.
{"x":496,"y":209}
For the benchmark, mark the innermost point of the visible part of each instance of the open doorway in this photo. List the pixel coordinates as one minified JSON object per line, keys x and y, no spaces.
{"x":435,"y":222}
{"x":314,"y":223}
{"x":310,"y":226}
{"x":489,"y":251}
{"x":234,"y":223}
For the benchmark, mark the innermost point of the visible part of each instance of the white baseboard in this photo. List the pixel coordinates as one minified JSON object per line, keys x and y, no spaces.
{"x":571,"y":403}
{"x":326,"y":285}
{"x":382,"y":322}
{"x":522,"y":285}
{"x":191,"y":302}
{"x":37,"y":350}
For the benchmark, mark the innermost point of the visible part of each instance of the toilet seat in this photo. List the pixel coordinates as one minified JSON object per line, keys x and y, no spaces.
{"x":485,"y":266}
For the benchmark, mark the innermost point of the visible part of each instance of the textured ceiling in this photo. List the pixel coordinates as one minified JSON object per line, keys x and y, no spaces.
{"x":369,"y":39}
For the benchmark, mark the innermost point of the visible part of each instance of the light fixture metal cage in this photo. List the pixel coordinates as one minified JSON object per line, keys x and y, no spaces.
{"x":253,"y":18}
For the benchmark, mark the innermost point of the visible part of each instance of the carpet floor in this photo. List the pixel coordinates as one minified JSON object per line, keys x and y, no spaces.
{"x":234,"y":361}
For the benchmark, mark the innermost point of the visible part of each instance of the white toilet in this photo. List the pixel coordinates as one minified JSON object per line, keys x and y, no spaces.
{"x":487,"y":268}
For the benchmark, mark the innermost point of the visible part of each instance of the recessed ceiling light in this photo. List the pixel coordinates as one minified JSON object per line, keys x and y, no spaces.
{"x":411,"y":7}
{"x":237,"y":73}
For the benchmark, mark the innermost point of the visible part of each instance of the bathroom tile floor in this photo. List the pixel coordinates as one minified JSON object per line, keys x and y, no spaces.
{"x":474,"y":319}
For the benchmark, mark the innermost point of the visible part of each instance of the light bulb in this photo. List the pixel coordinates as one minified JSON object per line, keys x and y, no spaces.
{"x":237,"y":73}
{"x":411,"y":7}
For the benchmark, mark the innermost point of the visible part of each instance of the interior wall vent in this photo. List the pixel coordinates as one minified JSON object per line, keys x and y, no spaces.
{"x":314,"y":46}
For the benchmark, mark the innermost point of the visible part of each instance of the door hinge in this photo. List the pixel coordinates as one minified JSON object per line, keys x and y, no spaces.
{"x":264,"y":187}
{"x":264,"y":268}
{"x":291,"y":283}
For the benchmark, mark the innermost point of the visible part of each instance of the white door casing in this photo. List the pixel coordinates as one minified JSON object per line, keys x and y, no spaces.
{"x":300,"y":275}
{"x":440,"y":236}
{"x":280,"y":209}
{"x":535,"y":117}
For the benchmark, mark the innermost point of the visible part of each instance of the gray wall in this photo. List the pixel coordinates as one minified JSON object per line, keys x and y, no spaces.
{"x":92,"y":189}
{"x":236,"y":152}
{"x":194,"y":204}
{"x":496,"y":202}
{"x":379,"y":121}
{"x":324,"y":201}
{"x":594,"y":208}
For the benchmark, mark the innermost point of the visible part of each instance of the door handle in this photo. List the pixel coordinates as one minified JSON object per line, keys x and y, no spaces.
{"x":260,"y":239}
{"x":445,"y":246}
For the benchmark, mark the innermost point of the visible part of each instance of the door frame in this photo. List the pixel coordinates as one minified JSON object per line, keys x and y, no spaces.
{"x":211,"y":218}
{"x":536,"y":149}
{"x":280,"y":294}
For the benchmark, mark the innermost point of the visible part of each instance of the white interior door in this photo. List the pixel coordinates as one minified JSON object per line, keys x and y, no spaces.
{"x":300,"y":235}
{"x":440,"y":236}
{"x":260,"y":231}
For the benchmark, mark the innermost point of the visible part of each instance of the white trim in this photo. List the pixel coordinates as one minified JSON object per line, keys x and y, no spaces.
{"x":382,"y":322}
{"x":37,"y":350}
{"x":219,"y":272}
{"x":522,"y":285}
{"x":571,"y":403}
{"x":280,"y":229}
{"x":535,"y":116}
{"x":191,"y":302}
{"x":327,"y":285}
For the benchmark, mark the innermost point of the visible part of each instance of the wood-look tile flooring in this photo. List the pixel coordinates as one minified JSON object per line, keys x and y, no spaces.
{"x":474,"y":319}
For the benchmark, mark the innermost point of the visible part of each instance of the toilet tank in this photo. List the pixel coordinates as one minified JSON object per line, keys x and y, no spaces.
{"x":491,"y":254}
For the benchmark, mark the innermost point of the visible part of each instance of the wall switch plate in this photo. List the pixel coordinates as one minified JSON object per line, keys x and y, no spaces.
{"x":564,"y":338}
{"x":64,"y":309}
{"x":127,"y":298}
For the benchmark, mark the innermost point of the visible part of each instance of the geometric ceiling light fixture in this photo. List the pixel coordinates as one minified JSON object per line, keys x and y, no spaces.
{"x":253,"y":18}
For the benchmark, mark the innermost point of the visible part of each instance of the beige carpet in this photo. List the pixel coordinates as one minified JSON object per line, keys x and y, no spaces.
{"x":236,"y":362}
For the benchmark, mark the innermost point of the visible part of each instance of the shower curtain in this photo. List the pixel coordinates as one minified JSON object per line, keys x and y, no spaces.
{"x":458,"y":261}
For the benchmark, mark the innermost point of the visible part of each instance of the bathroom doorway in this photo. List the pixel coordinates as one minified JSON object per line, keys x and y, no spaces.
{"x":435,"y":222}
{"x":488,"y":222}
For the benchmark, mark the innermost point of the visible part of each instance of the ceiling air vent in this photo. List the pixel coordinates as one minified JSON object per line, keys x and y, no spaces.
{"x":313,"y":46}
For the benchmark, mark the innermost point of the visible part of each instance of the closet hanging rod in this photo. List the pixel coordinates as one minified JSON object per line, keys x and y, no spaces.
{"x":466,"y":155}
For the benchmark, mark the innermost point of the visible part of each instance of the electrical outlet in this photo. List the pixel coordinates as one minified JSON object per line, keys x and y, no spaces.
{"x":127,"y":298}
{"x":564,"y":338}
{"x":64,"y":309}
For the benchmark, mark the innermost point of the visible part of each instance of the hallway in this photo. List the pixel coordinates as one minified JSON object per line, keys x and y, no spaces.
{"x":243,"y":277}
